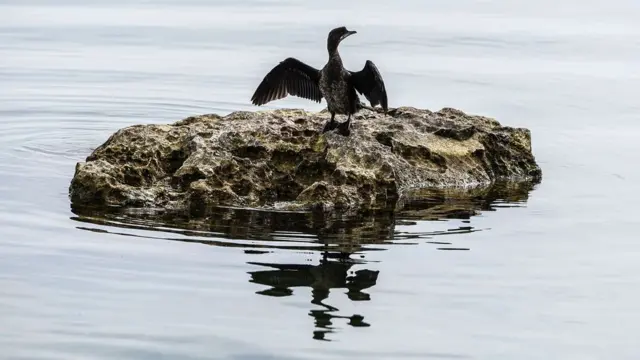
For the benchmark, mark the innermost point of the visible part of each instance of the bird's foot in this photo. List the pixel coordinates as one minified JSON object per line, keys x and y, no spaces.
{"x":330,"y":126}
{"x":344,"y":128}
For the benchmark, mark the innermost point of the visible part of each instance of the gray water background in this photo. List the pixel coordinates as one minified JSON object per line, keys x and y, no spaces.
{"x":552,"y":277}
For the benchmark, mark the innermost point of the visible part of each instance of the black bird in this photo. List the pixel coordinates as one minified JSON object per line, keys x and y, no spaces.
{"x":336,"y":84}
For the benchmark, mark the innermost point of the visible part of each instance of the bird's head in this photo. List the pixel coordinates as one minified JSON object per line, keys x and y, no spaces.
{"x":336,"y":36}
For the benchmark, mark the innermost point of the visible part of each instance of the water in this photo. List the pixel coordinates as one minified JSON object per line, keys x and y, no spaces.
{"x":547,"y":273}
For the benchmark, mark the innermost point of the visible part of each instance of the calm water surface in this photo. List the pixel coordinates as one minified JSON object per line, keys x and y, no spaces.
{"x":548,"y":273}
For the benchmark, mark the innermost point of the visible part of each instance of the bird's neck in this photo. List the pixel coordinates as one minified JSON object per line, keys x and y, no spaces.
{"x":334,"y":55}
{"x":332,"y":48}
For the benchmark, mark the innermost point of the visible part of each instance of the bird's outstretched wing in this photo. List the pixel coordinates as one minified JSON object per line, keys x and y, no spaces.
{"x":289,"y":77}
{"x":369,"y":83}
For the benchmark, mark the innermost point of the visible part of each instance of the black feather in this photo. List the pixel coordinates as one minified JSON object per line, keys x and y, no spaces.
{"x":369,"y":83}
{"x":289,"y":77}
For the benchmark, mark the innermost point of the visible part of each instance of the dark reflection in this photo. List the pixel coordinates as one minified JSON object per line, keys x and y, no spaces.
{"x":261,"y":230}
{"x":341,"y":239}
{"x":329,"y":274}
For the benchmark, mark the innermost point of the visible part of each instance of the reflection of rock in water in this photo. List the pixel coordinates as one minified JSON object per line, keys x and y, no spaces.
{"x":429,"y":204}
{"x":289,"y":228}
{"x":310,"y":231}
{"x":321,"y":278}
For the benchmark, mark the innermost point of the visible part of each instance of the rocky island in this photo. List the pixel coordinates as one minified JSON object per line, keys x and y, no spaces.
{"x":280,"y":159}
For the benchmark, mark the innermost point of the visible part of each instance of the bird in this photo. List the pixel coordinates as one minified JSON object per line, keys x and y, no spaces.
{"x":333,"y":82}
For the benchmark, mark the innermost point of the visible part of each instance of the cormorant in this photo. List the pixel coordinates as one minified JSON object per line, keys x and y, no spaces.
{"x":336,"y":84}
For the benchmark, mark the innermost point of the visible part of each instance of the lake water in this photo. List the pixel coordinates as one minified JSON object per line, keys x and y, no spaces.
{"x":550,"y":273}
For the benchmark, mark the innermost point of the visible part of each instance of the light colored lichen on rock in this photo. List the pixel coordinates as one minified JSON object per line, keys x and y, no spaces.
{"x":280,"y":158}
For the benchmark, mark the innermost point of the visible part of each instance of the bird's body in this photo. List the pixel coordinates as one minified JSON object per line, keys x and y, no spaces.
{"x":333,"y":82}
{"x":336,"y":88}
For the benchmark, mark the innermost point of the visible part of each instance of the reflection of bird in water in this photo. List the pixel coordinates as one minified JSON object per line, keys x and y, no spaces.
{"x":321,"y":278}
{"x":327,"y":275}
{"x":323,"y":317}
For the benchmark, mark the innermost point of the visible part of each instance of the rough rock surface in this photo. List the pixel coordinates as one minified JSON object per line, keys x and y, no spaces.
{"x":280,"y":159}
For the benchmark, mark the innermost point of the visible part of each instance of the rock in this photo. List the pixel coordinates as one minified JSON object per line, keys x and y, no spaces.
{"x":280,"y":159}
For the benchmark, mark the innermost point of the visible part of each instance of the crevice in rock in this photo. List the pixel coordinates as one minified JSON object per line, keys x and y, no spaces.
{"x":242,"y":187}
{"x":385,"y":139}
{"x":175,"y":160}
{"x":287,"y":189}
{"x":185,"y":179}
{"x":460,"y":134}
{"x":251,"y":152}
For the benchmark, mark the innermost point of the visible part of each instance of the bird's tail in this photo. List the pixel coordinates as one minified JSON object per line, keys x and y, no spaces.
{"x":362,"y":105}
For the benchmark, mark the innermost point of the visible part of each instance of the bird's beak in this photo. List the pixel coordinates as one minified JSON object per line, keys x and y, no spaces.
{"x":347,"y":34}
